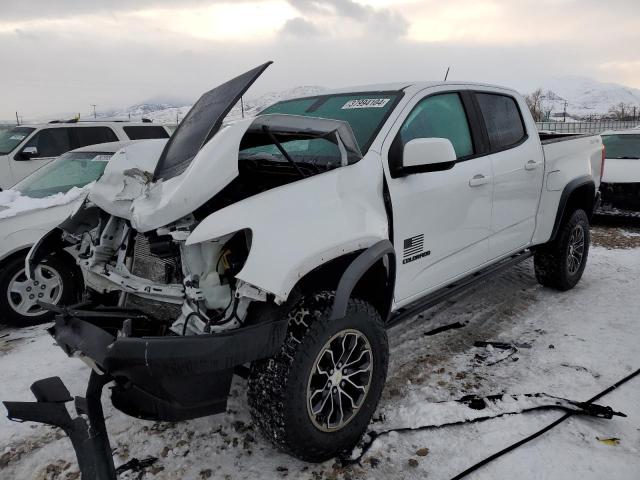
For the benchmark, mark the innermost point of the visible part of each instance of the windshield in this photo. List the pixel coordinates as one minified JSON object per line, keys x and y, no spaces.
{"x":12,"y":137}
{"x":73,"y":169}
{"x":622,"y":146}
{"x":365,"y":112}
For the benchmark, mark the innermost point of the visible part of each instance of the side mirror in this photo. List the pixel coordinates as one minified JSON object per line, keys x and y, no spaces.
{"x":428,"y":155}
{"x":28,"y":153}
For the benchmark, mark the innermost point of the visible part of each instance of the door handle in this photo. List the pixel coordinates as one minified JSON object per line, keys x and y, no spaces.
{"x":478,"y":180}
{"x":531,"y":165}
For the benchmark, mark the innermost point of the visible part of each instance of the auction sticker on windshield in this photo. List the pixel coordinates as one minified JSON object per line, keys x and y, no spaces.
{"x":365,"y":103}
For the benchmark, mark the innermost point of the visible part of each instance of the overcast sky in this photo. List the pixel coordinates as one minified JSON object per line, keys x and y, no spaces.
{"x":64,"y":55}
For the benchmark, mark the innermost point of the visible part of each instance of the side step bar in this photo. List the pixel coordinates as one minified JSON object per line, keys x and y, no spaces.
{"x":442,"y":294}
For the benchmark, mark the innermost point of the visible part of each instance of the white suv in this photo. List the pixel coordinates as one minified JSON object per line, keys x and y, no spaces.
{"x":25,"y":148}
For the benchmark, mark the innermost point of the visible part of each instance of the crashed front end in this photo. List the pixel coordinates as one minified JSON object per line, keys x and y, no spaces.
{"x":176,"y":321}
{"x":168,"y":314}
{"x":191,"y":251}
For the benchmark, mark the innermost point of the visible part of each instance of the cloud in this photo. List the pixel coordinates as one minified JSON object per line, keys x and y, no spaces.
{"x":130,"y":51}
{"x":24,"y":10}
{"x":383,"y":21}
{"x":300,"y":27}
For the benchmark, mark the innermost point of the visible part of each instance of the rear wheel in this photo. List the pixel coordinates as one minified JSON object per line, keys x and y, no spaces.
{"x":53,"y":282}
{"x":560,"y":264}
{"x":316,"y":397}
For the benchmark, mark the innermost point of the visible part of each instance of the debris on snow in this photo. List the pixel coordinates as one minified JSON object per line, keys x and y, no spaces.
{"x":609,"y":441}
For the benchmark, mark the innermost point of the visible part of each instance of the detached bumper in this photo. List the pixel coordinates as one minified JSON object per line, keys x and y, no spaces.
{"x":167,"y":378}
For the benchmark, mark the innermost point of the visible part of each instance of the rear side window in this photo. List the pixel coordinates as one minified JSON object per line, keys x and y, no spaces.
{"x":85,"y":136}
{"x":503,"y":120}
{"x":143,"y":133}
{"x":439,"y":116}
{"x":51,"y":142}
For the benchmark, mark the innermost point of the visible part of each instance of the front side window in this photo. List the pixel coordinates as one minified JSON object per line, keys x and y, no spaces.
{"x":73,"y":169}
{"x":622,"y":146}
{"x":503,"y":120}
{"x":439,"y":116}
{"x":144,"y":133}
{"x":86,"y":136}
{"x":12,"y":137}
{"x":51,"y":142}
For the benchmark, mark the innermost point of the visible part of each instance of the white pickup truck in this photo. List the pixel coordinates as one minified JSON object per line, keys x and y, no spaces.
{"x":289,"y":242}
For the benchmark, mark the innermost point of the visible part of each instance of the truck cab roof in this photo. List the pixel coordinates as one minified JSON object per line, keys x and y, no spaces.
{"x":408,"y":87}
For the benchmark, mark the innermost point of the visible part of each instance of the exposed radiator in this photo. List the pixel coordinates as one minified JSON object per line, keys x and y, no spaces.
{"x":158,"y":270}
{"x":150,"y":266}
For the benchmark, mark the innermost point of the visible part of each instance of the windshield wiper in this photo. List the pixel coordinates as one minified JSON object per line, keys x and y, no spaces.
{"x":275,"y":141}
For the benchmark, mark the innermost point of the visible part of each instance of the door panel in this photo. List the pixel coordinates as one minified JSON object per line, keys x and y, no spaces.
{"x":441,"y":219}
{"x":515,"y":198}
{"x":453,"y":218}
{"x":518,"y":173}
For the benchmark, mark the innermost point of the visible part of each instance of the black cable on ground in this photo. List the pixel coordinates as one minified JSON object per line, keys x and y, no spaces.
{"x":513,"y":446}
{"x":479,"y":403}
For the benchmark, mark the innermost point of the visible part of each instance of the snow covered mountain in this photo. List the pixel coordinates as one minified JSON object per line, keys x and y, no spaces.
{"x":585,"y":96}
{"x":170,"y":113}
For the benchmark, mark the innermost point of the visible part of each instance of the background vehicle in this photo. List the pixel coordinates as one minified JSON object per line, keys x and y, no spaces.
{"x":620,"y":187}
{"x":45,"y":200}
{"x":26,"y":148}
{"x":290,"y":241}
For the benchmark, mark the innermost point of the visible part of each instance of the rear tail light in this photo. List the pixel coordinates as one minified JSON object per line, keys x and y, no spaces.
{"x":604,"y":154}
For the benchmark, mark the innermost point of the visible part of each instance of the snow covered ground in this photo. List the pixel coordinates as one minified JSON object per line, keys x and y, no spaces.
{"x":581,"y":341}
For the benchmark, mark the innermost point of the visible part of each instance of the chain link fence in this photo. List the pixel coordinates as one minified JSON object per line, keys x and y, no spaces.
{"x":587,"y":127}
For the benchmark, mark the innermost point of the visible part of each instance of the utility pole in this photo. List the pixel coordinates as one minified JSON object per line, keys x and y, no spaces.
{"x":446,"y":75}
{"x":242,"y":107}
{"x":94,"y":111}
{"x":17,"y":119}
{"x":564,"y":115}
{"x":177,"y":118}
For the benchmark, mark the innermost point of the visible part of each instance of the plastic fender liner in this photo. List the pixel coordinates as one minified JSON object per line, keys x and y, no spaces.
{"x":354,"y":272}
{"x":48,"y":243}
{"x":169,"y":378}
{"x":84,"y":219}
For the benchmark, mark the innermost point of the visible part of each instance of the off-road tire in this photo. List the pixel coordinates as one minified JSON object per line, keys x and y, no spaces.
{"x":70,"y":285}
{"x":551,"y":261}
{"x":277,"y":390}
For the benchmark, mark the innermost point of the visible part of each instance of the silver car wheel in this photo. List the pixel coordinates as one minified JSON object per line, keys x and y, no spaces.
{"x":24,"y":293}
{"x":339,"y":380}
{"x":575,"y":250}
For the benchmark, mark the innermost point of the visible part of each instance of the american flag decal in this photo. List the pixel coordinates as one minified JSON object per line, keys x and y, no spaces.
{"x":413,"y":245}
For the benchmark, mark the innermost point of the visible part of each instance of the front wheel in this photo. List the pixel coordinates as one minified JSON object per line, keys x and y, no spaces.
{"x":53,"y":282}
{"x":560,"y":264}
{"x":315,"y":398}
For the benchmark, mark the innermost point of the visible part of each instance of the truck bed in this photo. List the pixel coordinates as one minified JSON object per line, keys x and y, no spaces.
{"x":547,"y":137}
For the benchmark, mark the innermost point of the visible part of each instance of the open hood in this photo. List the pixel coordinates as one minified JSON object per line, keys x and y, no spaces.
{"x":152,"y":183}
{"x":202,"y":122}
